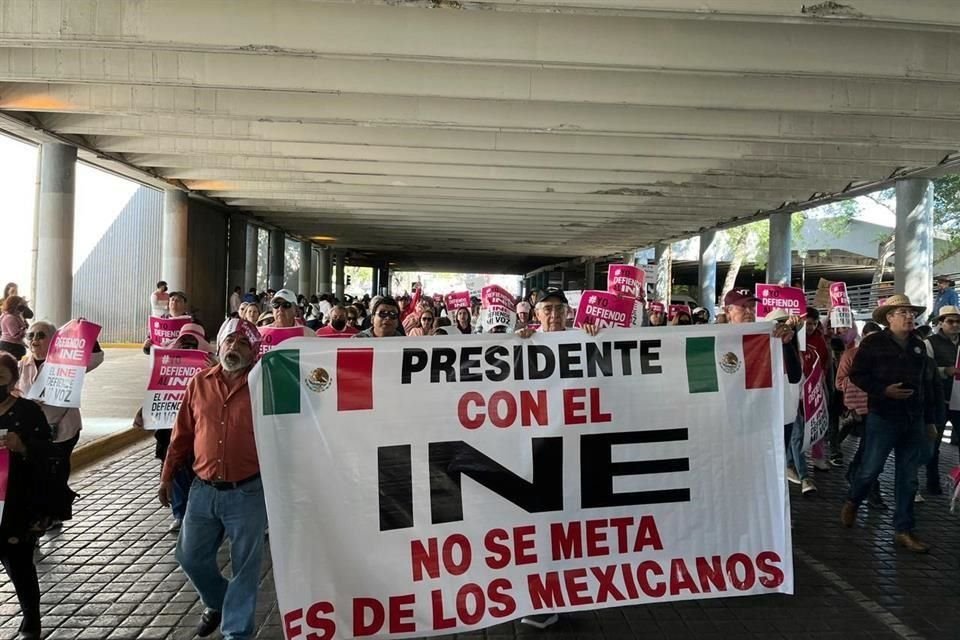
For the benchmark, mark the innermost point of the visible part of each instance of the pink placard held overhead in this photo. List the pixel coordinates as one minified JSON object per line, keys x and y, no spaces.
{"x":272,"y":336}
{"x":170,"y":371}
{"x":838,"y":295}
{"x":493,"y":295}
{"x":674,"y":309}
{"x":656,"y":307}
{"x":604,"y":309}
{"x":458,"y":300}
{"x":498,"y":308}
{"x":163,"y":330}
{"x":773,"y":296}
{"x":60,"y":382}
{"x":626,"y":280}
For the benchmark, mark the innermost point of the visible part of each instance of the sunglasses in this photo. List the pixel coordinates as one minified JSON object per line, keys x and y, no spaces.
{"x":37,"y":335}
{"x":427,"y":318}
{"x":281,"y":304}
{"x":383,"y":315}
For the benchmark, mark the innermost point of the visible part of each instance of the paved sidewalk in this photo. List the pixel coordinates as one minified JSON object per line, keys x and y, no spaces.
{"x":113,"y":392}
{"x":110,"y":574}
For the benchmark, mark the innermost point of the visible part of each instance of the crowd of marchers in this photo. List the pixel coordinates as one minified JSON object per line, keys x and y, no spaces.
{"x":888,"y":385}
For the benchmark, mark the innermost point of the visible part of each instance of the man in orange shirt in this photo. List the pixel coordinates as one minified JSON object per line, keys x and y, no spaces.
{"x":214,"y":428}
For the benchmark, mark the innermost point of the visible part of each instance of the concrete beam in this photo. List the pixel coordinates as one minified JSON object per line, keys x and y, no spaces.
{"x":278,"y":73}
{"x":348,"y":30}
{"x":352,"y":109}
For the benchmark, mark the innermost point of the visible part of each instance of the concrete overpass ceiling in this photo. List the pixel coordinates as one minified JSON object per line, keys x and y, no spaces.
{"x":492,"y":135}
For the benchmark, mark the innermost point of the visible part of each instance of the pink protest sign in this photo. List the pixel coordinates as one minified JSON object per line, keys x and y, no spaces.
{"x":814,"y":408}
{"x":272,"y":336}
{"x":60,"y":382}
{"x":163,"y":330}
{"x":674,"y":309}
{"x":655,"y":307}
{"x":170,"y":371}
{"x":604,"y":309}
{"x":626,"y":280}
{"x":495,"y":296}
{"x":773,"y":296}
{"x":458,"y":300}
{"x":498,"y":308}
{"x":838,"y":295}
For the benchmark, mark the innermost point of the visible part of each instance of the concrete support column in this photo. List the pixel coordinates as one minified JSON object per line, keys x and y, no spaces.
{"x":375,"y":285}
{"x":341,"y":275}
{"x":913,"y":259}
{"x":306,"y":267}
{"x":385,"y":279}
{"x":173,"y":256}
{"x":779,"y":267}
{"x":314,"y":263}
{"x":237,"y":252}
{"x":664,"y":257}
{"x":590,"y":276}
{"x":324,"y":270}
{"x":54,"y":231}
{"x":708,"y":270}
{"x":250,"y":260}
{"x":275,"y":259}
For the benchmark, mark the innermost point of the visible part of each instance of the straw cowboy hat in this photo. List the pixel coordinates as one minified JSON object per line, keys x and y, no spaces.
{"x":950,"y":281}
{"x":948,"y":310}
{"x":897,"y":301}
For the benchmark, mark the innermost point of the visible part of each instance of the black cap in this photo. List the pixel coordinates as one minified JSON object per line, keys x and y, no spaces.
{"x":554,"y":292}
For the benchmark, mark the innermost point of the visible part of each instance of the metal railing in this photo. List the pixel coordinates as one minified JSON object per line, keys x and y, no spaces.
{"x":864,"y":297}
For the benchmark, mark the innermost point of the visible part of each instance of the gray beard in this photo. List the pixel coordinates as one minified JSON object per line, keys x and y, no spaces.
{"x":233,"y":362}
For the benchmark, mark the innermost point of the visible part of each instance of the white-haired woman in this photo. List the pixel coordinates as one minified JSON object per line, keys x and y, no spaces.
{"x":65,"y":423}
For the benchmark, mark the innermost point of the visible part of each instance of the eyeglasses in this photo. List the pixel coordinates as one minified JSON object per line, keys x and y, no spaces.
{"x":383,"y":315}
{"x":906,"y":313}
{"x":951,"y":321}
{"x":37,"y":335}
{"x":277,"y":304}
{"x":426,"y":318}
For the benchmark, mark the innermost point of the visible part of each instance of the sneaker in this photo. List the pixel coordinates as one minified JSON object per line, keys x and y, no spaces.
{"x":821,"y":465}
{"x":808,"y":486}
{"x":848,"y":514}
{"x":792,"y":475}
{"x":174,"y":526}
{"x":917,"y":499}
{"x":209,"y":622}
{"x":836,"y":460}
{"x":541,"y":621}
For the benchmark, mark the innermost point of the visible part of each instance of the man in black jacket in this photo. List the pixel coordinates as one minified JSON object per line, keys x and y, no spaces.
{"x":893,"y":368}
{"x":942,"y":347}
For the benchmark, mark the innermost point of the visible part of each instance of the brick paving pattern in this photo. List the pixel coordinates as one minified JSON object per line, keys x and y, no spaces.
{"x":110,"y":574}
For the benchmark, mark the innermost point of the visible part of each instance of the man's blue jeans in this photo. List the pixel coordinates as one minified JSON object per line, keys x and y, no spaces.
{"x":239,"y":515}
{"x":793,"y":435}
{"x":907,"y":439}
{"x":182,"y":480}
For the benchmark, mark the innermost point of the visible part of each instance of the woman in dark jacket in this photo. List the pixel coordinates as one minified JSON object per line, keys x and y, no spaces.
{"x":24,"y":451}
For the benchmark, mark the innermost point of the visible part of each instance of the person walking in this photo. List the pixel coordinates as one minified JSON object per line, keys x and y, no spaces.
{"x":25,"y":433}
{"x":159,"y":300}
{"x":942,"y":346}
{"x":13,"y":326}
{"x":946,"y":295}
{"x":215,"y":426}
{"x":65,"y":423}
{"x":385,"y":319}
{"x":893,"y":367}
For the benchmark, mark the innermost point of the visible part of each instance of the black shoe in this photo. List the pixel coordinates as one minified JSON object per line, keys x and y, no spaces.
{"x":209,"y":622}
{"x":934,"y":490}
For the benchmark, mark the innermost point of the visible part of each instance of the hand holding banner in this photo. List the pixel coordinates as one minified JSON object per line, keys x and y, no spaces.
{"x":170,"y":371}
{"x":604,"y":309}
{"x":627,"y":280}
{"x":163,"y":330}
{"x":60,"y":382}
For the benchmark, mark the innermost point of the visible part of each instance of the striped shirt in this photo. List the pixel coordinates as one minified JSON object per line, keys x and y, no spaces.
{"x":854,"y":398}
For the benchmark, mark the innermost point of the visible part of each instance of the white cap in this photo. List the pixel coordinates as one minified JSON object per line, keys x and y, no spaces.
{"x":777,"y":314}
{"x":285,"y":294}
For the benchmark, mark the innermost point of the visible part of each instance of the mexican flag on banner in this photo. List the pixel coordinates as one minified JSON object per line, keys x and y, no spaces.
{"x":556,"y":473}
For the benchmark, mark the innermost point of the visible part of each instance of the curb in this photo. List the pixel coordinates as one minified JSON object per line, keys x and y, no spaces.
{"x":92,"y":452}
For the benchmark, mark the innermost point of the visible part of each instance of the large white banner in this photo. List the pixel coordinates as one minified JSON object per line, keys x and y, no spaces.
{"x":423,"y":486}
